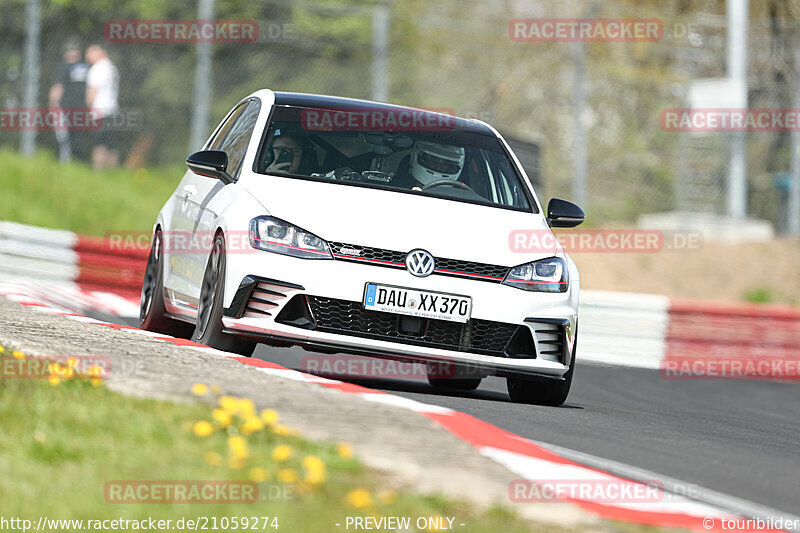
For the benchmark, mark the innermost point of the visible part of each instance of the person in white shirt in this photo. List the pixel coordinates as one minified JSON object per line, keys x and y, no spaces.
{"x":102,"y":90}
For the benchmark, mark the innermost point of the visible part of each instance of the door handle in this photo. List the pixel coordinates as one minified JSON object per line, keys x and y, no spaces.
{"x":188,"y":191}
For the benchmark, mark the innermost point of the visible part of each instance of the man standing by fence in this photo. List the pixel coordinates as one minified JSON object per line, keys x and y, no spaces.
{"x":68,"y":93}
{"x":102,"y":90}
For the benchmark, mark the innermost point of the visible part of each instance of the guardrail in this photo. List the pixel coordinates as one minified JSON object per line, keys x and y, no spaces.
{"x":63,"y":257}
{"x":712,"y":329}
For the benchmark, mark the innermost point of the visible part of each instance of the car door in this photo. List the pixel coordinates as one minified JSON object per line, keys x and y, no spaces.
{"x":186,"y":241}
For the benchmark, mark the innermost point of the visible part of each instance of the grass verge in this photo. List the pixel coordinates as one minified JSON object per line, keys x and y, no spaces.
{"x":43,"y":192}
{"x":67,"y":442}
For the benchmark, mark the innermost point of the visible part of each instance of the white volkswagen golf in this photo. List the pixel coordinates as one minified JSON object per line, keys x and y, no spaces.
{"x":343,"y":225}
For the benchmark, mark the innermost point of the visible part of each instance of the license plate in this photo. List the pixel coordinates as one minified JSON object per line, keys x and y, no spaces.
{"x":414,"y":302}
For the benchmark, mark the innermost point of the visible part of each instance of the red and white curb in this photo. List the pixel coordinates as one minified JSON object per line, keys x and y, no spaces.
{"x":520,"y":455}
{"x":71,"y":261}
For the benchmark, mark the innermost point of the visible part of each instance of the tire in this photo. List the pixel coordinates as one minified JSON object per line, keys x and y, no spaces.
{"x":542,"y":391}
{"x":208,"y":327}
{"x":443,"y":377}
{"x":152,"y":313}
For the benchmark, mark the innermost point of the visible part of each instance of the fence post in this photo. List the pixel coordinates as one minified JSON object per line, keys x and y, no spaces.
{"x":579,"y":150}
{"x":794,"y":185}
{"x":31,"y":69}
{"x":738,"y":26}
{"x":380,"y":51}
{"x":201,"y":103}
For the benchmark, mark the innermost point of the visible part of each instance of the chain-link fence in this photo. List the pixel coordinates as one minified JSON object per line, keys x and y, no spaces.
{"x":456,"y":55}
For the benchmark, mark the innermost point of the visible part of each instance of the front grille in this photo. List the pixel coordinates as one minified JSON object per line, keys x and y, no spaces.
{"x":476,"y":336}
{"x":368,"y":253}
{"x":393,"y":259}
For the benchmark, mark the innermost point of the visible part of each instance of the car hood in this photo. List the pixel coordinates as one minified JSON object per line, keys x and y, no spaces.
{"x":400,"y":221}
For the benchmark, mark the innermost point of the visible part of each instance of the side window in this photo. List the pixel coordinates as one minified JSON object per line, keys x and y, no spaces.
{"x":219,"y":138}
{"x":238,"y":137}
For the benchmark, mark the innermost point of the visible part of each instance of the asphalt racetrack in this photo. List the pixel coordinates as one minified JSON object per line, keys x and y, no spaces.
{"x":737,"y":437}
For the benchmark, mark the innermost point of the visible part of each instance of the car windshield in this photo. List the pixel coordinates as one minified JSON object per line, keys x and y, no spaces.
{"x":395,"y":149}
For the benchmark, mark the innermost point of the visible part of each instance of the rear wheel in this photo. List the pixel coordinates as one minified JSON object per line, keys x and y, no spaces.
{"x":450,"y":376}
{"x":542,"y":391}
{"x":208,"y":328}
{"x":152,"y":313}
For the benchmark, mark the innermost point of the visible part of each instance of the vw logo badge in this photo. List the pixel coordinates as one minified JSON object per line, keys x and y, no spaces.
{"x":420,"y":263}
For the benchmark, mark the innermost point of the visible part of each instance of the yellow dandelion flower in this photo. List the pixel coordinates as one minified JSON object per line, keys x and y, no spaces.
{"x":238,"y":446}
{"x":245,"y":407}
{"x":203,"y":428}
{"x":252,"y":425}
{"x":16,"y":354}
{"x":258,"y":474}
{"x":213,"y":458}
{"x":344,"y":450}
{"x":282,"y":452}
{"x":269,"y":416}
{"x":236,"y":463}
{"x":228,"y":403}
{"x":54,"y":380}
{"x":2,"y":349}
{"x":94,"y":371}
{"x":56,"y":369}
{"x":199,"y":389}
{"x":221,"y":417}
{"x":387,"y":497}
{"x":96,"y":382}
{"x":216,"y":390}
{"x":313,"y":463}
{"x":358,"y":498}
{"x":287,"y":475}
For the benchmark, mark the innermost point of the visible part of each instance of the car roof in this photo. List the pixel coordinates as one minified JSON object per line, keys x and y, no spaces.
{"x":341,"y":103}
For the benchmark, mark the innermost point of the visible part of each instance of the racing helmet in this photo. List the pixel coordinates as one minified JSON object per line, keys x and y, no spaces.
{"x":432,"y":162}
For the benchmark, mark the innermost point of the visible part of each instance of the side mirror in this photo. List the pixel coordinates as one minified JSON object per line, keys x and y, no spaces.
{"x":211,"y":163}
{"x":563,"y":214}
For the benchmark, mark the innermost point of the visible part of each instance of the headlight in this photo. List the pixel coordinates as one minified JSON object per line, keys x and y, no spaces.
{"x":545,"y":275}
{"x":274,"y":235}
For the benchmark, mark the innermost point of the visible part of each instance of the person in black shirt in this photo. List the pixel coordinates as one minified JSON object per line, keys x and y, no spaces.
{"x":68,"y":93}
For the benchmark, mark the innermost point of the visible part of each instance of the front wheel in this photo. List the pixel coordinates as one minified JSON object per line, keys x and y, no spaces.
{"x":542,"y":391}
{"x":208,"y":328}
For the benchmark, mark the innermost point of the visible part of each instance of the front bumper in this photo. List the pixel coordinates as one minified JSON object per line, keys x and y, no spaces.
{"x":268,"y":309}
